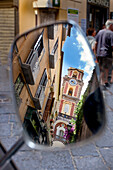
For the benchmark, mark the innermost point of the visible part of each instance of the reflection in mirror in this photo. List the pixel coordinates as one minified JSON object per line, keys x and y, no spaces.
{"x":54,"y":73}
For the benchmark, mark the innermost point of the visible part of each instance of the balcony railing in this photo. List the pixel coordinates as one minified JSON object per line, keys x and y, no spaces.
{"x":64,"y":116}
{"x":39,"y":97}
{"x":31,"y":66}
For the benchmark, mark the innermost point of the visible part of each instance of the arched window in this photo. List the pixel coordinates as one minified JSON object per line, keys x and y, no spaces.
{"x":66,"y":108}
{"x":70,"y":92}
{"x":75,"y":74}
{"x":61,"y":133}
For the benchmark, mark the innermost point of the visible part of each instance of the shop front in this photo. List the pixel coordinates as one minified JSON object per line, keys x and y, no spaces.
{"x":97,"y":13}
{"x":35,"y":126}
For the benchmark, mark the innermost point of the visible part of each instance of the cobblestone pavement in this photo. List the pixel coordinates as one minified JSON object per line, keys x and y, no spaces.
{"x":93,"y":155}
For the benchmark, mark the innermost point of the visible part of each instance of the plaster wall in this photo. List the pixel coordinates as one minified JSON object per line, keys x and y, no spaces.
{"x":26,"y":15}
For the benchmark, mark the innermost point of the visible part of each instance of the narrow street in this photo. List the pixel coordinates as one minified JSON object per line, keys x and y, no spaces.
{"x":95,"y":154}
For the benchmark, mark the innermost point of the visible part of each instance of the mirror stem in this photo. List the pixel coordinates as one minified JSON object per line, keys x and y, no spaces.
{"x":12,"y":151}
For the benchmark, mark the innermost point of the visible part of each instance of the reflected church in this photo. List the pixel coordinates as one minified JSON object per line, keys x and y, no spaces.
{"x":71,"y":90}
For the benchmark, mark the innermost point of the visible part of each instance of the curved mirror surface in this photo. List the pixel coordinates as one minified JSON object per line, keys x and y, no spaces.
{"x":54,"y":72}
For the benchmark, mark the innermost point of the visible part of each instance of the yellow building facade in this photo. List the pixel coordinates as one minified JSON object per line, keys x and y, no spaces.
{"x":36,"y":79}
{"x":26,"y":15}
{"x":32,"y":13}
{"x":111,"y":9}
{"x":87,"y":13}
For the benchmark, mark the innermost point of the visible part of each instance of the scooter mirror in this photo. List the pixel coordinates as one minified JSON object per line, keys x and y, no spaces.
{"x":56,"y":86}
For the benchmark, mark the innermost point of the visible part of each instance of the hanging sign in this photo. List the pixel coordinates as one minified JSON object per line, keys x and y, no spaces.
{"x":73,"y":14}
{"x":104,"y":3}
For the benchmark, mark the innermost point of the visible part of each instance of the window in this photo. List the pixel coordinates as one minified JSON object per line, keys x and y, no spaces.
{"x":19,"y":84}
{"x":56,"y":3}
{"x":36,"y":50}
{"x":75,"y":74}
{"x":70,"y":92}
{"x":55,"y":47}
{"x":66,"y":108}
{"x":111,"y":15}
{"x":61,"y":133}
{"x":41,"y":88}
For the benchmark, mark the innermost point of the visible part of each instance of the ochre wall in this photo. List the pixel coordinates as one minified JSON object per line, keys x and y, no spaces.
{"x":111,"y":5}
{"x":26,"y":15}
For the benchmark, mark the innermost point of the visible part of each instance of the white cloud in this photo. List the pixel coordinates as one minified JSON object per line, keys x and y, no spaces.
{"x":87,"y":58}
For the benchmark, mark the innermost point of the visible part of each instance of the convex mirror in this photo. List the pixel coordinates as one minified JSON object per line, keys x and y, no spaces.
{"x":56,"y":85}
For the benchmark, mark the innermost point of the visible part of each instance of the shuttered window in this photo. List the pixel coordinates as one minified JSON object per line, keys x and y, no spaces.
{"x":19,"y":84}
{"x":42,"y":85}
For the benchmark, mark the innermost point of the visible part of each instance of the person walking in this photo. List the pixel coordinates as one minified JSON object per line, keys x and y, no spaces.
{"x":91,"y":37}
{"x":104,"y":48}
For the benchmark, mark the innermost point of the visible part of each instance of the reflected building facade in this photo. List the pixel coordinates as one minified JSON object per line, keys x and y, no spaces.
{"x":36,"y":77}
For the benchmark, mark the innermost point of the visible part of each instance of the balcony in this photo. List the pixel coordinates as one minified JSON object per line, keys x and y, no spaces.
{"x":65,"y":117}
{"x":48,"y":107}
{"x":39,"y":97}
{"x":36,"y":102}
{"x":70,"y":98}
{"x":42,"y":4}
{"x":31,"y":66}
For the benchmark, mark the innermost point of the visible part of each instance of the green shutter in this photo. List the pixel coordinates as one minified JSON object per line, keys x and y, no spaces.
{"x":56,"y":3}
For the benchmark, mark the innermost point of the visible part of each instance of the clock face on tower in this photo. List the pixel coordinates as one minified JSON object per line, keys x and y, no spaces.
{"x":72,"y":82}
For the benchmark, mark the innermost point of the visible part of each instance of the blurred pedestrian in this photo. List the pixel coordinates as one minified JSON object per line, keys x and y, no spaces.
{"x":104,"y":48}
{"x":91,"y":37}
{"x":103,"y":26}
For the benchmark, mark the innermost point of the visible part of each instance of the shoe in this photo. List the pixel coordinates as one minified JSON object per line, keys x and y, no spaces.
{"x":107,"y":84}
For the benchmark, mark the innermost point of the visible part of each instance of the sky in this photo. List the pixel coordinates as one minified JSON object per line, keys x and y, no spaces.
{"x":77,"y":54}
